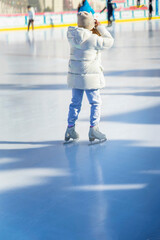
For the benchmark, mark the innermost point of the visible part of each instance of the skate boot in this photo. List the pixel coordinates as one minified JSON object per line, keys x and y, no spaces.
{"x":71,"y":133}
{"x":94,"y":133}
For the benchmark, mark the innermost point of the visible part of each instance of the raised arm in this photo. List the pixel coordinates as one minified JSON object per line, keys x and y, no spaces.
{"x":105,"y":40}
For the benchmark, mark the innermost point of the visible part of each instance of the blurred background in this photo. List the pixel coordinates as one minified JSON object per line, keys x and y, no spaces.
{"x":14,"y":14}
{"x":19,"y":6}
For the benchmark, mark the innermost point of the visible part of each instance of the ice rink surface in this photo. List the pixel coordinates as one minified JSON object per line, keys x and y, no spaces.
{"x":51,"y":191}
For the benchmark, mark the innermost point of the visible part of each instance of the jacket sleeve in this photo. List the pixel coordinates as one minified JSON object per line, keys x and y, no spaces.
{"x":105,"y":40}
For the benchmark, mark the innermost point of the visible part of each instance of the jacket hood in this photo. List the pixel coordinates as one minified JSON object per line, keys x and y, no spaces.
{"x":76,"y":36}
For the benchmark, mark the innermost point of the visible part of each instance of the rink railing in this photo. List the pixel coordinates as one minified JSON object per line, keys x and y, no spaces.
{"x":51,"y":19}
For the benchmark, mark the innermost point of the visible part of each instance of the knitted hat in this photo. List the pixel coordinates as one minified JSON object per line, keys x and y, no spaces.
{"x":85,"y":20}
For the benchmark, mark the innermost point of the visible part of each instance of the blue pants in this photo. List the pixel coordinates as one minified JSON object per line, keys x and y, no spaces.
{"x":94,"y":99}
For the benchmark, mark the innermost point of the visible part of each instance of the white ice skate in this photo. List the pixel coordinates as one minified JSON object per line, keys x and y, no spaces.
{"x":71,"y":134}
{"x":94,"y":133}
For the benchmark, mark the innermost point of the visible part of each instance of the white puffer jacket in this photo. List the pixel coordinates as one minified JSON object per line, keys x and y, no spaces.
{"x":85,"y":70}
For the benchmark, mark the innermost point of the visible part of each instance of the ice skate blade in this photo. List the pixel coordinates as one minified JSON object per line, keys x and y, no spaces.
{"x":97,"y":142}
{"x":70,"y":141}
{"x":66,"y":139}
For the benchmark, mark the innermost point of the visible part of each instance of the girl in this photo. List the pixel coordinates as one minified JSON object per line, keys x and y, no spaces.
{"x":85,"y":72}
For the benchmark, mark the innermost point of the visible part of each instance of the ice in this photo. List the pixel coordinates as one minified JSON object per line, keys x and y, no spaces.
{"x":108,"y":191}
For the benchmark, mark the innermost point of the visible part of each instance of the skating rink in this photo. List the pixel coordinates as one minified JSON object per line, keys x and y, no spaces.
{"x":52,"y":191}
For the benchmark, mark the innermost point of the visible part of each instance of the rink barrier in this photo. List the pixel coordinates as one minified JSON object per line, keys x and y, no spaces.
{"x":74,"y":24}
{"x":64,"y":19}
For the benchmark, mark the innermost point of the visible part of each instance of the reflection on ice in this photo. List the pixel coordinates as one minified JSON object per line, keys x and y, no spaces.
{"x":13,"y":179}
{"x":111,"y":187}
{"x":7,"y":160}
{"x":21,"y":146}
